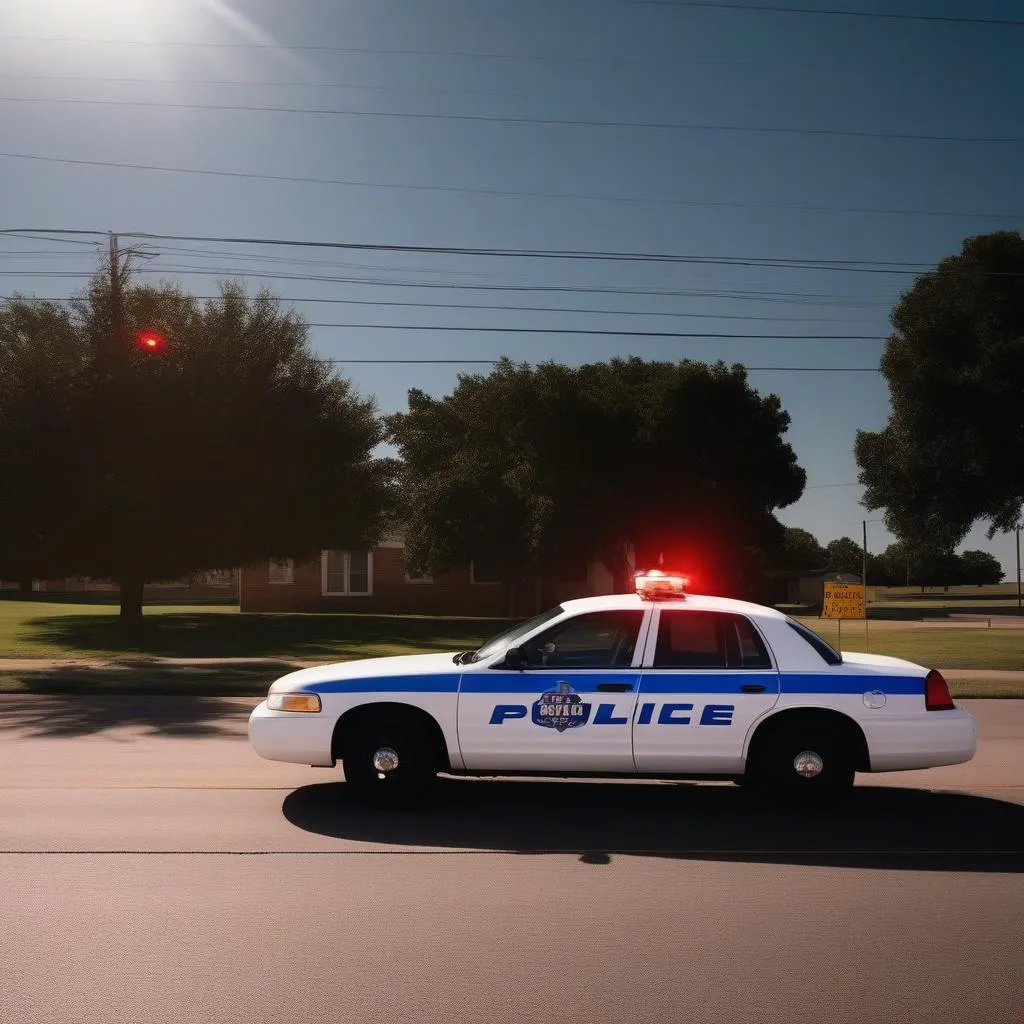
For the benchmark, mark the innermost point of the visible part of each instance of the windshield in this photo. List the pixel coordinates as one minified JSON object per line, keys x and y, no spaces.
{"x":503,"y":641}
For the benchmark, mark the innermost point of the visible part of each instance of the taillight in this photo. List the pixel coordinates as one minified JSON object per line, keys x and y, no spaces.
{"x":936,"y":693}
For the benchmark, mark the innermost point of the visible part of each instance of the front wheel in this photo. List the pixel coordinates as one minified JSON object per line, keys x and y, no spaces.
{"x":810,"y":765}
{"x":389,"y":765}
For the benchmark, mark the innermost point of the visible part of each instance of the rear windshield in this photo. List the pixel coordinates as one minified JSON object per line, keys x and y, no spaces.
{"x":827,"y":651}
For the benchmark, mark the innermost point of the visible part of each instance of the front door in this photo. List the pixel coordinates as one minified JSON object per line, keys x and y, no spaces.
{"x":710,"y":678}
{"x":570,"y":709}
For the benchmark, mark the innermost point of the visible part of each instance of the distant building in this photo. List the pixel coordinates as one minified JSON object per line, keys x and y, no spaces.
{"x":379,"y":581}
{"x":807,"y":588}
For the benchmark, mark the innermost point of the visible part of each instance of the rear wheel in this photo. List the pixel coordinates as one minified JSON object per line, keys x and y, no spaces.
{"x":811,"y":764}
{"x":389,"y":764}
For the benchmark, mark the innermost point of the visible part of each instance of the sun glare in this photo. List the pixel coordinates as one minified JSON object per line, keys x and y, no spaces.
{"x":145,"y":21}
{"x":98,"y":19}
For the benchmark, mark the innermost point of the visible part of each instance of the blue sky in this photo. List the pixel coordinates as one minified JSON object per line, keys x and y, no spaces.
{"x":699,"y":191}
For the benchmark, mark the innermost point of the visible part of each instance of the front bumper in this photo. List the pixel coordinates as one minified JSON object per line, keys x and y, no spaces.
{"x":925,"y":739}
{"x":297,"y":737}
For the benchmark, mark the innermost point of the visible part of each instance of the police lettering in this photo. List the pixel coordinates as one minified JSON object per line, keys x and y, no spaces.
{"x":647,"y":713}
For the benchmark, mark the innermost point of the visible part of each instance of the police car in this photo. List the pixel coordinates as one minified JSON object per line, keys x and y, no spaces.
{"x":660,"y":683}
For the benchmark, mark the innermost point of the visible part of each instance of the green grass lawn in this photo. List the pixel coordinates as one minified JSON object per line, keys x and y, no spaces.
{"x":36,"y":629}
{"x":934,"y":648}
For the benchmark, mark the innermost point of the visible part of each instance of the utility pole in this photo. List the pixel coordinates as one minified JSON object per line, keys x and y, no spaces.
{"x":1018,"y":565}
{"x":864,"y":579}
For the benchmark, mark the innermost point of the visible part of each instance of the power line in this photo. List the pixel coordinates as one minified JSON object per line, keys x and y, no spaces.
{"x":766,"y":8}
{"x":510,"y":193}
{"x":560,"y":122}
{"x":490,"y":306}
{"x":607,"y":332}
{"x":771,"y":262}
{"x":323,"y":48}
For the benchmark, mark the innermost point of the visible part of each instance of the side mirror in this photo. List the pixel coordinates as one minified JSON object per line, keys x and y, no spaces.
{"x":515,"y":659}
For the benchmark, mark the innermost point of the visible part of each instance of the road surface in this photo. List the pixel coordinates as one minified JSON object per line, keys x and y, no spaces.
{"x":155,"y":870}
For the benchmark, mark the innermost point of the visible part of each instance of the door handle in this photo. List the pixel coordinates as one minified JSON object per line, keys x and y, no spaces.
{"x":614,"y":687}
{"x":752,"y":688}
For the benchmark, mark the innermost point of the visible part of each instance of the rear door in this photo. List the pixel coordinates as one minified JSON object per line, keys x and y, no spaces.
{"x":708,"y":677}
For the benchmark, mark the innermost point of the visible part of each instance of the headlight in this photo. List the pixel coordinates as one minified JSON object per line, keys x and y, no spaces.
{"x":308,"y":702}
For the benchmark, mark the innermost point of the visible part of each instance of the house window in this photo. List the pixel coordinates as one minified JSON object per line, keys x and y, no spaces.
{"x":484,"y":570}
{"x":282,"y":570}
{"x":217,"y":578}
{"x":347,"y":573}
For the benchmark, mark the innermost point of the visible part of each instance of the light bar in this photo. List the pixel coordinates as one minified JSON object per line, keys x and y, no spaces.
{"x":653,"y":584}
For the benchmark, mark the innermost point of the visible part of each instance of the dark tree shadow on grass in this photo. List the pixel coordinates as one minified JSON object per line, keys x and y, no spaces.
{"x":884,"y":827}
{"x":225,"y":635}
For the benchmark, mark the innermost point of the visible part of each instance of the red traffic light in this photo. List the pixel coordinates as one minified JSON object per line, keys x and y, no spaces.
{"x":151,"y":341}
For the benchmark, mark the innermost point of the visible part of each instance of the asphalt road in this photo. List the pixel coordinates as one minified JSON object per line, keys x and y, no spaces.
{"x":155,"y":870}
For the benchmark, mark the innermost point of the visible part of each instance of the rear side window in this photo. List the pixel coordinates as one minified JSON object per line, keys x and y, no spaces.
{"x":708,"y":640}
{"x":828,"y":653}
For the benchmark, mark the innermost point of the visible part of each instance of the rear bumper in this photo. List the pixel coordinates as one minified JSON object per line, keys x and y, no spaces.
{"x":292,"y":736}
{"x":925,"y":739}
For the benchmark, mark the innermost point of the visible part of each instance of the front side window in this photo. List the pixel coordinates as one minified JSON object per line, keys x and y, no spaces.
{"x":597,"y":640}
{"x":347,"y":573}
{"x":708,"y":640}
{"x":503,"y":641}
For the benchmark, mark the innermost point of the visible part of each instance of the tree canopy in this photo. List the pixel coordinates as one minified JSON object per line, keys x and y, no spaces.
{"x":230,"y":444}
{"x":953,"y":448}
{"x":529,"y":465}
{"x":800,"y":551}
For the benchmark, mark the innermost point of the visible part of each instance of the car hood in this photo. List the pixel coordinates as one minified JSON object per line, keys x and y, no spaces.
{"x":365,"y":668}
{"x":883,"y":661}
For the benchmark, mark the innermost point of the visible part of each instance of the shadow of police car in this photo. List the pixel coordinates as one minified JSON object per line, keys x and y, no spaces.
{"x":877,"y":827}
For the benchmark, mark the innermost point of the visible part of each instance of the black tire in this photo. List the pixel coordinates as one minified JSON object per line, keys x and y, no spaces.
{"x":404,"y":786}
{"x":772,"y":766}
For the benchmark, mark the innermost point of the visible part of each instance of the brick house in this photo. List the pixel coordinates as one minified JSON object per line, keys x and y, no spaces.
{"x":214,"y":585}
{"x":378,"y":581}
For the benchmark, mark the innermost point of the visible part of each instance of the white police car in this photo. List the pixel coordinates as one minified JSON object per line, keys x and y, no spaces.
{"x":656,"y":684}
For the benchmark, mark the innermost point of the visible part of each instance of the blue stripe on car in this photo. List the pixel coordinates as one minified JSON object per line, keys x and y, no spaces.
{"x":534,"y":682}
{"x":656,"y":682}
{"x":811,"y":682}
{"x":388,"y":684}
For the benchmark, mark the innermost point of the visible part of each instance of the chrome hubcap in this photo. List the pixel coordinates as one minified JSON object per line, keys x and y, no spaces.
{"x":385,"y":760}
{"x":807,"y":764}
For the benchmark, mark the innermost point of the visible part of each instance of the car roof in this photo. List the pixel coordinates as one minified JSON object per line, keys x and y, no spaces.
{"x":693,"y":602}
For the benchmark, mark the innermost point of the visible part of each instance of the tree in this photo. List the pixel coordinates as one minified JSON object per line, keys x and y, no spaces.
{"x":980,"y":568}
{"x":40,"y":472}
{"x":230,"y":444}
{"x":953,"y":447}
{"x":531,"y":464}
{"x":800,"y":551}
{"x":844,"y":555}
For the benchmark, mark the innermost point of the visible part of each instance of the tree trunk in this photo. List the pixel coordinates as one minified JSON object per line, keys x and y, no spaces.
{"x":25,"y":587}
{"x":131,"y":599}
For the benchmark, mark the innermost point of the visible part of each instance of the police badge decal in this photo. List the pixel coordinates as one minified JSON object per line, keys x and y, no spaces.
{"x":560,"y":709}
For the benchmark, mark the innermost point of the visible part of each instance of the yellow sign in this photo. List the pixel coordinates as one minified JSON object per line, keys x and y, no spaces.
{"x":843,"y":601}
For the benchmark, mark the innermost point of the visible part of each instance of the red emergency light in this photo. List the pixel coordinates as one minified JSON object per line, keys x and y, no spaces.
{"x":151,"y":341}
{"x":655,"y":584}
